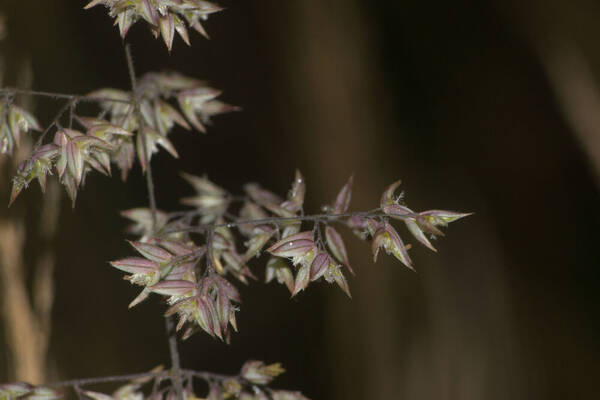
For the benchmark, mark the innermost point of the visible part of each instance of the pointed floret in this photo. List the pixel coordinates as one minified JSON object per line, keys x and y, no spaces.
{"x":337,"y":247}
{"x":152,"y":252}
{"x":342,"y":201}
{"x":387,"y":197}
{"x":388,"y":238}
{"x":293,"y":246}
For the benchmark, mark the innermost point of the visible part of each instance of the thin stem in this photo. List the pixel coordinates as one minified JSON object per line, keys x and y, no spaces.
{"x":175,"y":362}
{"x":107,"y":379}
{"x":136,"y":103}
{"x":229,"y":200}
{"x":155,"y":386}
{"x":131,"y":69}
{"x":207,"y":376}
{"x":67,"y":96}
{"x":54,"y":122}
{"x":282,"y":220}
{"x":77,"y":390}
{"x":150,"y":185}
{"x":73,"y":105}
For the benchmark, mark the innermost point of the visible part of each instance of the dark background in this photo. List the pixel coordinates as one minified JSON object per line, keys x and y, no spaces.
{"x":454,"y":98}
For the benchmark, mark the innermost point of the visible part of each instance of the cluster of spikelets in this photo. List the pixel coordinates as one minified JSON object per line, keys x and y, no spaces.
{"x":14,"y":121}
{"x":195,"y":277}
{"x":117,"y":134}
{"x":164,"y":17}
{"x":251,"y":383}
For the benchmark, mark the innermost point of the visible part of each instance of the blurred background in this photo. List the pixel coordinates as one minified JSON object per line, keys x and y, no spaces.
{"x":491,"y":107}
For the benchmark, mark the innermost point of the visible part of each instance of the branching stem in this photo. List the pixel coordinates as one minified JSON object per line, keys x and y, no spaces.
{"x":207,"y":376}
{"x":54,"y":122}
{"x":375,"y":213}
{"x":66,"y":96}
{"x":107,"y":379}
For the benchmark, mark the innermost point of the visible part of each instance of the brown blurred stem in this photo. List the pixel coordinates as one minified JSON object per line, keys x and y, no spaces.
{"x":28,"y":323}
{"x":578,"y":96}
{"x":23,"y":335}
{"x":27,"y":317}
{"x":43,"y":283}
